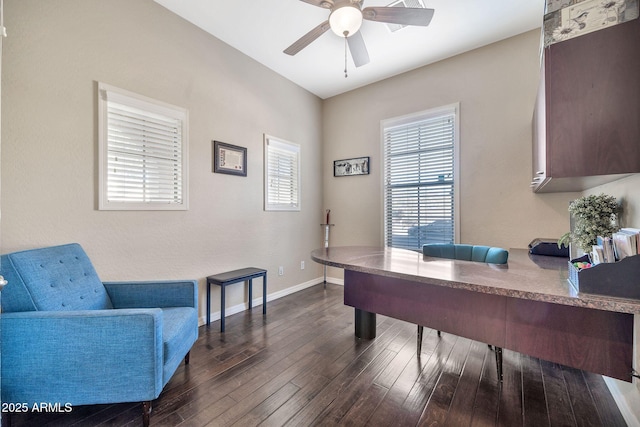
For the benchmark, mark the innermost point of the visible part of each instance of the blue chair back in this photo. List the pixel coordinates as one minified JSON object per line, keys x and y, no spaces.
{"x":58,"y":278}
{"x":477,"y":253}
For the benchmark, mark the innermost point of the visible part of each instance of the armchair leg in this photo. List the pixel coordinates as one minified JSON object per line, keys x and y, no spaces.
{"x":420,"y":330}
{"x":146,"y":413}
{"x":186,"y":358}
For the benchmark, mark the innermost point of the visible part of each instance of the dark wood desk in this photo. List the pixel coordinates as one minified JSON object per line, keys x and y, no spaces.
{"x":526,"y":305}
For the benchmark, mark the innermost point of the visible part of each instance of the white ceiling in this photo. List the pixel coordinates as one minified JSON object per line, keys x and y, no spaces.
{"x":262,"y":29}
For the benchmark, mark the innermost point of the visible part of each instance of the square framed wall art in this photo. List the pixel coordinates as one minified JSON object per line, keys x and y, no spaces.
{"x":229,"y":159}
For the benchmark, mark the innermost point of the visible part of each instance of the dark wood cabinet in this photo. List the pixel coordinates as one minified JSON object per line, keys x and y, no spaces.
{"x":587,"y":116}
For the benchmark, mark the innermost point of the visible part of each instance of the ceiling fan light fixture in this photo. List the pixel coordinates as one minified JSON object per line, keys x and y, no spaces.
{"x":345,"y":20}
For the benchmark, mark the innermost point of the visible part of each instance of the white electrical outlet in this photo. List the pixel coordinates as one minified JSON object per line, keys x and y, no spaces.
{"x":281,"y":271}
{"x":301,"y":265}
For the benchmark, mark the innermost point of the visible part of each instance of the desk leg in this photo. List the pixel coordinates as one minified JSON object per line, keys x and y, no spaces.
{"x":498,"y":351}
{"x":208,"y":303}
{"x":264,"y":294}
{"x":222,"y":308}
{"x":365,"y":324}
{"x":250,"y":293}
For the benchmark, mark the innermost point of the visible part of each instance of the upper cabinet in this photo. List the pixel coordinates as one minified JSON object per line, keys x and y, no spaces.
{"x":587,"y":117}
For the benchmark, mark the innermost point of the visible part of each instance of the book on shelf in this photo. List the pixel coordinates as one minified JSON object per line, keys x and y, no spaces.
{"x":606,"y":250}
{"x":625,"y":242}
{"x":597,"y":254}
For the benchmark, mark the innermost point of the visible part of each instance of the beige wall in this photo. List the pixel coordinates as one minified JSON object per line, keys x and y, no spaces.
{"x":57,"y":51}
{"x":627,"y":190}
{"x":496,"y":88}
{"x":53,"y":59}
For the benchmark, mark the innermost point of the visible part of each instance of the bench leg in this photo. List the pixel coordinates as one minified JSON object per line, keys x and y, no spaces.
{"x":222,"y":308}
{"x":264,"y":294}
{"x":208,"y":303}
{"x":250,"y":293}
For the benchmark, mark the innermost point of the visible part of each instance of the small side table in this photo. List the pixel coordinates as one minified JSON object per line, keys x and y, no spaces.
{"x":231,"y":277}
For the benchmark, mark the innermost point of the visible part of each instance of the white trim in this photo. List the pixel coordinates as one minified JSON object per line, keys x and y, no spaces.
{"x":111,"y":93}
{"x":335,"y":281}
{"x":293,"y":148}
{"x":270,"y":297}
{"x":627,"y":397}
{"x":409,"y":118}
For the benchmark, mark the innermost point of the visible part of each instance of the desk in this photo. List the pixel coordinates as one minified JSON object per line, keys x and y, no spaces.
{"x":526,"y":305}
{"x":225,"y":279}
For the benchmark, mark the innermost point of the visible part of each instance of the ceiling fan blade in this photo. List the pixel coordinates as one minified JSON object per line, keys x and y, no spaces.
{"x":358,"y":49}
{"x":325,"y":4}
{"x":305,"y":40}
{"x":399,"y":15}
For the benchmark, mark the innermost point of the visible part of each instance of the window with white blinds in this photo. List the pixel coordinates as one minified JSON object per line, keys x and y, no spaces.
{"x":420,"y":178}
{"x":281,"y":175}
{"x":143,"y":152}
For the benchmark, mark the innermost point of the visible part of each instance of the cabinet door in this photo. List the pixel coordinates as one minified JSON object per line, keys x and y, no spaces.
{"x":593,"y":103}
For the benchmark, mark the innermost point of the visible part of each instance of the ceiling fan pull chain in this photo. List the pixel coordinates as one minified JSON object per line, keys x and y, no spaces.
{"x":346,"y":33}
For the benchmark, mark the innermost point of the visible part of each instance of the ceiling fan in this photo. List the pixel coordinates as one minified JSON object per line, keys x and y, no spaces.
{"x":346,"y":18}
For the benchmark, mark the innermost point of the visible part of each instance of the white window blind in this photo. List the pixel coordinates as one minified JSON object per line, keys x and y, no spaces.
{"x":143,"y":148}
{"x":282,"y":175}
{"x":419,"y":156}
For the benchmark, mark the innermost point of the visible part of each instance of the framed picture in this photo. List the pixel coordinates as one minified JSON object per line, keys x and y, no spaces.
{"x":350,"y":167}
{"x":229,"y":159}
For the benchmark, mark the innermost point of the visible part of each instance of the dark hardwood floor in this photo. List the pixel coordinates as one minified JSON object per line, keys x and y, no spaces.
{"x":301,"y":365}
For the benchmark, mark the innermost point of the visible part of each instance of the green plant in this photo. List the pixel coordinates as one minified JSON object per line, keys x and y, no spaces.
{"x":594,"y":216}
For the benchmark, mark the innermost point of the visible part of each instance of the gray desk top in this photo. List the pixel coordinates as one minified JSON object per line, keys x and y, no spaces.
{"x":525,"y":276}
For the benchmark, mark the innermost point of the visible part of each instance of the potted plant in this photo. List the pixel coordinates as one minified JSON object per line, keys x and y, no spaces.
{"x":595,"y":215}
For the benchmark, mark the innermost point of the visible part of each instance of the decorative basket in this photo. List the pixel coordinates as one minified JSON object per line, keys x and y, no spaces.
{"x":620,"y":279}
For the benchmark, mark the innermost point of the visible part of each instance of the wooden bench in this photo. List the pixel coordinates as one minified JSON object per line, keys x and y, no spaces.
{"x":231,"y":277}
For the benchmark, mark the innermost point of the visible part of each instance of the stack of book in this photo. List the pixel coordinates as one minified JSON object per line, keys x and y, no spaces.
{"x":620,"y":245}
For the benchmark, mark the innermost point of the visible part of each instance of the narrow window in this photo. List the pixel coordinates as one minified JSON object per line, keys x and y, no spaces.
{"x":143,"y":152}
{"x":420,"y":178}
{"x":282,"y":175}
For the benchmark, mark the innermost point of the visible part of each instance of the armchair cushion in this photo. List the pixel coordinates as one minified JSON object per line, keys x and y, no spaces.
{"x":178,"y":335}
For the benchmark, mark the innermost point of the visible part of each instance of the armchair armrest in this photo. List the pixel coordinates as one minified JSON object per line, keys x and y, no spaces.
{"x":172,"y":293}
{"x":82,"y":357}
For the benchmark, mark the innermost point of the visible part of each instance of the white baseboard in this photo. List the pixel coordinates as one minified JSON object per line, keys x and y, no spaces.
{"x":270,"y":297}
{"x":627,"y":397}
{"x":335,"y":281}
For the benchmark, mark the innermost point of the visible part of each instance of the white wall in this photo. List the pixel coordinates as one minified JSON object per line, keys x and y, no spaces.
{"x":496,"y":87}
{"x":53,"y":59}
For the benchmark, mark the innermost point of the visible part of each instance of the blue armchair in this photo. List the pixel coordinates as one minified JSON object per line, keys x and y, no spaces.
{"x":68,"y":338}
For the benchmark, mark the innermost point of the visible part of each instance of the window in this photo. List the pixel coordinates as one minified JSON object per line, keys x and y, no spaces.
{"x":420,"y":178}
{"x":143,"y":152}
{"x":281,"y":175}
